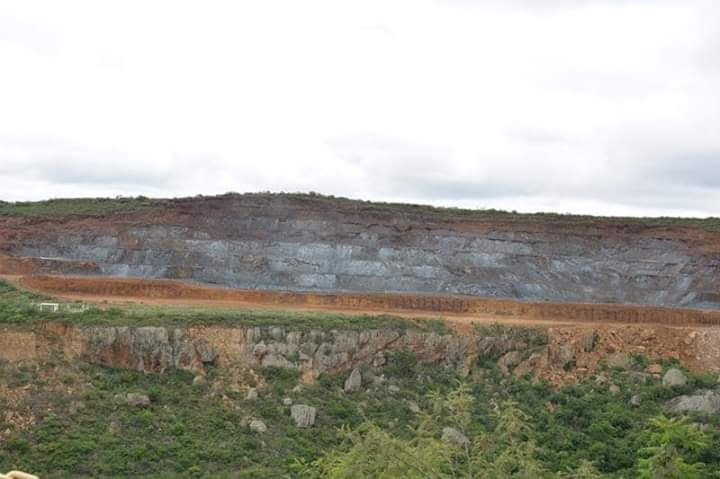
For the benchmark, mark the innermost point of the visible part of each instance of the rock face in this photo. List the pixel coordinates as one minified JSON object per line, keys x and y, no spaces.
{"x":149,"y":349}
{"x":307,"y":243}
{"x":304,"y":416}
{"x":707,"y":402}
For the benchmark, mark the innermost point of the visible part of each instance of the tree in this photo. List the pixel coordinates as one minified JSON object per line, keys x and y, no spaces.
{"x":670,"y":441}
{"x":506,"y":452}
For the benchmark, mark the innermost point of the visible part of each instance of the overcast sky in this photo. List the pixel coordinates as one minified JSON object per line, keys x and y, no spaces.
{"x":594,"y":106}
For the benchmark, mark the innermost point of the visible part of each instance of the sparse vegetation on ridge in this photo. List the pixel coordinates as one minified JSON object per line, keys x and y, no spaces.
{"x":78,"y":206}
{"x":102,"y":206}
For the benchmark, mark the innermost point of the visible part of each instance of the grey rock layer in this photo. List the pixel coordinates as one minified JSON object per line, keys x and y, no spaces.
{"x":280,"y":244}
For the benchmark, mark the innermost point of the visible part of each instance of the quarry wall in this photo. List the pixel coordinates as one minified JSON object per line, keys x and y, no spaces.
{"x":284,"y":243}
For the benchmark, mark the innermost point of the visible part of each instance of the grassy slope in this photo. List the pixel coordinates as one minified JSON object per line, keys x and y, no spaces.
{"x":101,"y":206}
{"x":17,"y":308}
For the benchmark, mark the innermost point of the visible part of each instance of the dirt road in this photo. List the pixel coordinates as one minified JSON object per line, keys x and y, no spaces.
{"x":458,"y":309}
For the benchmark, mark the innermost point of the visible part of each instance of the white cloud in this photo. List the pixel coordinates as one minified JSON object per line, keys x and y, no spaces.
{"x":594,"y":106}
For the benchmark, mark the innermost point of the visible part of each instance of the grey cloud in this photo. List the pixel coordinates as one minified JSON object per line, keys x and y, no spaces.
{"x":410,"y":170}
{"x":400,"y":167}
{"x":690,"y":169}
{"x":62,"y":163}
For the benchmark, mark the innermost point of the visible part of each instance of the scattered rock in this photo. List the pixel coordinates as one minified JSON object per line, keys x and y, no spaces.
{"x":674,"y":377}
{"x":393,"y":389}
{"x":199,"y":381}
{"x":252,"y":394}
{"x":619,"y":360}
{"x":635,"y":400}
{"x":655,"y":369}
{"x":354,"y":381}
{"x":614,"y":389}
{"x":601,"y":378}
{"x":133,"y":399}
{"x":509,"y":361}
{"x":258,"y":426}
{"x":413,"y":407}
{"x":453,"y":436}
{"x":287,"y":402}
{"x":707,"y":402}
{"x":378,"y":380}
{"x":304,"y":416}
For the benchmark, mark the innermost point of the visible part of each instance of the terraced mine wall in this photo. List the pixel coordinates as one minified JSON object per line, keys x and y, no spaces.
{"x":278,"y":242}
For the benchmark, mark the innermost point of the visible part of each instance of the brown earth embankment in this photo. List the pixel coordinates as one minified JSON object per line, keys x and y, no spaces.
{"x":137,"y":289}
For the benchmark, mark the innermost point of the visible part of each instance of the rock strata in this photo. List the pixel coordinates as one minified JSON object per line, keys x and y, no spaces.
{"x":313,"y":244}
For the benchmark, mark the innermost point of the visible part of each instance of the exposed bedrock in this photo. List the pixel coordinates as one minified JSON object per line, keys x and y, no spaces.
{"x":282,"y":243}
{"x":558,"y":353}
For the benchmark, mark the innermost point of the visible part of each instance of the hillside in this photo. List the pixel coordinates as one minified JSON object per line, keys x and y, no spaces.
{"x":315,"y":243}
{"x":300,"y":336}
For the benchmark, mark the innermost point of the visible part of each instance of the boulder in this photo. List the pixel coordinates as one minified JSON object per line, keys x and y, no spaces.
{"x":451,"y":435}
{"x":252,"y":394}
{"x":354,"y":381}
{"x":674,"y":377}
{"x":707,"y":402}
{"x":287,"y":402}
{"x":199,"y":381}
{"x":635,"y":400}
{"x":134,"y":399}
{"x":257,"y":426}
{"x":304,"y":416}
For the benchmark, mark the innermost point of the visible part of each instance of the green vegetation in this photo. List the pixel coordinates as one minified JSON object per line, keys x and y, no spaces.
{"x":78,"y":206}
{"x":514,"y":428}
{"x":100,"y":206}
{"x":19,"y":307}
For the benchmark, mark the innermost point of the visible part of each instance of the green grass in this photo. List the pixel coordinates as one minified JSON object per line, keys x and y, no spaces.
{"x":16,"y":307}
{"x":101,"y":206}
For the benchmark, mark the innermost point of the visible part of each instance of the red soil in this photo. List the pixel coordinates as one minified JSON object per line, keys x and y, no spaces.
{"x":454,"y":308}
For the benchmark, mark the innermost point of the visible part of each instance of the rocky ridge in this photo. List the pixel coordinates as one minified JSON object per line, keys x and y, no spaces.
{"x":559,"y":354}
